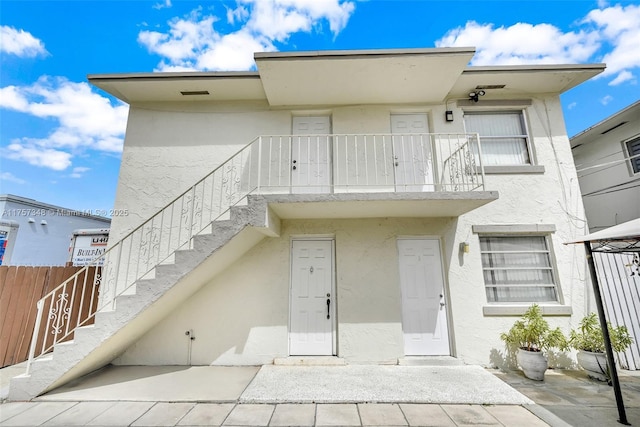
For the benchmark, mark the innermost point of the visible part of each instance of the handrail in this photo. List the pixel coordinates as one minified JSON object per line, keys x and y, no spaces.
{"x":273,"y":163}
{"x":113,"y":274}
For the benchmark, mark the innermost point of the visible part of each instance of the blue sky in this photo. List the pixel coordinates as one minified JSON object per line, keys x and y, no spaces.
{"x":61,"y":139}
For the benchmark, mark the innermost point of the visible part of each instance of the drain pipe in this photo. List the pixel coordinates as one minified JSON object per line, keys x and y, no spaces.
{"x":189,"y":334}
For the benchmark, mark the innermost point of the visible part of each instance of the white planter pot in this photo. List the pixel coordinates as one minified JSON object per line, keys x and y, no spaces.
{"x":532,"y":363}
{"x":595,"y":364}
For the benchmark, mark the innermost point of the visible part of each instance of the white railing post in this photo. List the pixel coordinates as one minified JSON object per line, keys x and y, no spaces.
{"x":477,"y":136}
{"x":34,"y":336}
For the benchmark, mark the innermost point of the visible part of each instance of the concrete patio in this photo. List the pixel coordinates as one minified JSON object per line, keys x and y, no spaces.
{"x":352,"y":395}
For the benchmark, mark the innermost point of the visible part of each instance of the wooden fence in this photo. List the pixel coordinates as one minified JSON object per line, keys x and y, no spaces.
{"x":20,"y":290}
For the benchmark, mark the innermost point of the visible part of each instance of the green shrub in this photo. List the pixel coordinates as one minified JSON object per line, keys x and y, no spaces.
{"x":588,"y":336}
{"x":533,"y":333}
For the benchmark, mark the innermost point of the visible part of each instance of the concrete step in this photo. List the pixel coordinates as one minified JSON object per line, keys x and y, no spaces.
{"x":309,"y":361}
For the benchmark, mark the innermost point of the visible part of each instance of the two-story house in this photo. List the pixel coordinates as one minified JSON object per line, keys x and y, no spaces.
{"x":368,"y":206}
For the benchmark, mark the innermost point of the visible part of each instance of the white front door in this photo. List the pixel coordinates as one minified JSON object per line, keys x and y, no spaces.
{"x":312,"y":299}
{"x":424,"y":314}
{"x":311,"y":154}
{"x":412,"y":152}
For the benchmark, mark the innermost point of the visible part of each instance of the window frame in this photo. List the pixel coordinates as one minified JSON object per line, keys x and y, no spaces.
{"x":632,"y":163}
{"x":532,"y":166}
{"x":522,"y":230}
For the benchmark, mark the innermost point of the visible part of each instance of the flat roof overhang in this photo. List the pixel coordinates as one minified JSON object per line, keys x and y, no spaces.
{"x":377,"y":205}
{"x":523,"y":80}
{"x":629,"y":114}
{"x":169,"y":87}
{"x":361,"y":77}
{"x":326,"y":78}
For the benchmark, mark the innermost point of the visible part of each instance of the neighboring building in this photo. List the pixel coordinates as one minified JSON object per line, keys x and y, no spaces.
{"x":38,"y":234}
{"x":607,"y":156}
{"x":353,"y":215}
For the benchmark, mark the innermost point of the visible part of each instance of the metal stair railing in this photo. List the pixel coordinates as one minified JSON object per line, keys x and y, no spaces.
{"x":75,"y":302}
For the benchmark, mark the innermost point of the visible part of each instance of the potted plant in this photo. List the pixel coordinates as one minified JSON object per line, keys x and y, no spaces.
{"x":531,"y":335}
{"x":589,"y":341}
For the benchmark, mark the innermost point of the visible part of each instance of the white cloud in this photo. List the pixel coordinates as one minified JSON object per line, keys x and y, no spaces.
{"x":623,"y":76}
{"x":614,"y":30}
{"x":162,"y":5}
{"x":521,"y":43}
{"x":606,"y":99}
{"x":572,"y":105}
{"x":620,"y":28}
{"x":233,"y":52}
{"x":85,"y":121}
{"x":79,"y":171}
{"x":38,"y":156}
{"x":20,"y":43}
{"x":9,"y":177}
{"x":194,"y":43}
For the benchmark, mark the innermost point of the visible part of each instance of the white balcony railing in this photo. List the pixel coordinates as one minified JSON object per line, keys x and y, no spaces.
{"x":380,"y":162}
{"x":269,"y":164}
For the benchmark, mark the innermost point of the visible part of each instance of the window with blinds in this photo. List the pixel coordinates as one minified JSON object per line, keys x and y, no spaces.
{"x":518,"y":269}
{"x":503,"y":137}
{"x":633,"y":149}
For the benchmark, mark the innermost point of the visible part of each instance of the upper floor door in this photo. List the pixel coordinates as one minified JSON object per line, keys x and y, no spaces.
{"x":311,"y":154}
{"x":412,"y":154}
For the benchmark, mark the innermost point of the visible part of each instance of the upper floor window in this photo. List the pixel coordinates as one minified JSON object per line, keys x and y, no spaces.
{"x":518,"y":268}
{"x":503,"y":137}
{"x":633,"y":150}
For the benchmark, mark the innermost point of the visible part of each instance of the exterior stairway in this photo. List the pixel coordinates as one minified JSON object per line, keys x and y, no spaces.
{"x":135,"y":313}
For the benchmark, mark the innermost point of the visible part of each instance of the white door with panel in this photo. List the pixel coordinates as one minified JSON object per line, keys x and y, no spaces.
{"x":424,"y":314}
{"x":311,"y":302}
{"x":311,"y":155}
{"x":412,"y":153}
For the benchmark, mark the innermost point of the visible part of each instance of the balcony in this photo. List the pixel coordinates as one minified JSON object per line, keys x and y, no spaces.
{"x":348,"y":175}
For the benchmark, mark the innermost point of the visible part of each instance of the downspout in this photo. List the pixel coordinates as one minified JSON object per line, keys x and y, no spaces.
{"x":605,"y":333}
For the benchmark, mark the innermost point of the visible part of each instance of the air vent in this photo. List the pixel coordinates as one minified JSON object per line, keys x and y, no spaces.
{"x":490,"y":87}
{"x":194,"y":92}
{"x":615,"y":127}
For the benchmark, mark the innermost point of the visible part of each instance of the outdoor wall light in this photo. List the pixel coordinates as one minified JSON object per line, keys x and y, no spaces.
{"x":43,"y":222}
{"x":464,"y":247}
{"x":31,"y":220}
{"x":473,"y":96}
{"x":448,"y":115}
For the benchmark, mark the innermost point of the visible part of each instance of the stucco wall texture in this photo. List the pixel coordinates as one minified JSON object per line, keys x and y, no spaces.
{"x":241,"y":315}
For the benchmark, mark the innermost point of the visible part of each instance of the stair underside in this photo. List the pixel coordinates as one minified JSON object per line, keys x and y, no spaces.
{"x":114,"y":331}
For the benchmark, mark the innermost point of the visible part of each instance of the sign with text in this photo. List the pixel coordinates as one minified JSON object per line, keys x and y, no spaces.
{"x":88,"y":247}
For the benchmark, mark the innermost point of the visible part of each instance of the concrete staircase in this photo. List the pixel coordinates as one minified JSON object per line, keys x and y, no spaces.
{"x":114,"y":331}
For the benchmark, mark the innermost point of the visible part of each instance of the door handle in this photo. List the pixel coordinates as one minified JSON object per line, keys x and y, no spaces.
{"x":328,"y":308}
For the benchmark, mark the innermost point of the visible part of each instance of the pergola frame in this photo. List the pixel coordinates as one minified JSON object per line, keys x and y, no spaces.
{"x":622,"y":238}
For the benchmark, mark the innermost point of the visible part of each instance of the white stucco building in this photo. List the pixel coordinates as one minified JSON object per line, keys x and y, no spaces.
{"x":356,"y":214}
{"x":38,"y":234}
{"x":607,"y":156}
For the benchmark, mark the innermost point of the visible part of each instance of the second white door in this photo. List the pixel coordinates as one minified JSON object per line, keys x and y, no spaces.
{"x":424,"y":314}
{"x":311,"y":155}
